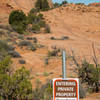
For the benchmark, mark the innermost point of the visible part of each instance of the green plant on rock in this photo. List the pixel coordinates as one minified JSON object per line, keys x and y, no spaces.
{"x":18,"y":21}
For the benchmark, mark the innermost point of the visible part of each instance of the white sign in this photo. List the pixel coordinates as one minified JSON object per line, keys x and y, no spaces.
{"x":65,"y":89}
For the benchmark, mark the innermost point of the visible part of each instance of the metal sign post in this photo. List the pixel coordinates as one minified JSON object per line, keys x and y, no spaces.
{"x":65,"y":88}
{"x":64,"y":64}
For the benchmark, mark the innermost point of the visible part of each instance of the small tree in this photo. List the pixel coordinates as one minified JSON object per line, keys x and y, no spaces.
{"x":42,"y":5}
{"x":18,"y":21}
{"x":17,"y":16}
{"x":56,"y":5}
{"x":64,"y":2}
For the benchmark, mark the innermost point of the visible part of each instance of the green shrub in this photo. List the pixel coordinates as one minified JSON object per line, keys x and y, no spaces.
{"x":35,"y":28}
{"x":33,"y":48}
{"x":18,"y":21}
{"x":53,"y":53}
{"x":44,"y":92}
{"x":31,"y":18}
{"x":3,"y":45}
{"x":40,"y":16}
{"x":42,"y":5}
{"x":42,"y":23}
{"x":33,"y":11}
{"x":17,"y":16}
{"x":19,"y":27}
{"x":89,"y":74}
{"x":64,"y":2}
{"x":45,"y":74}
{"x":14,"y":86}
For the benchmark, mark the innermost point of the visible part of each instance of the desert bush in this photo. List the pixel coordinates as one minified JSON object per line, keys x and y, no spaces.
{"x":52,"y":38}
{"x":64,"y":38}
{"x":4,"y":45}
{"x":20,"y":37}
{"x":42,"y":5}
{"x":18,"y":21}
{"x":14,"y":86}
{"x":35,"y":28}
{"x":31,"y":18}
{"x":33,"y":11}
{"x":35,"y":40}
{"x":22,"y":61}
{"x":32,"y":38}
{"x":24,"y":43}
{"x":53,"y":52}
{"x":42,"y":23}
{"x":17,"y":16}
{"x":14,"y":54}
{"x":44,"y":92}
{"x":45,"y":74}
{"x":89,"y":74}
{"x":33,"y":48}
{"x":5,"y":49}
{"x":2,"y":32}
{"x":19,"y":27}
{"x":40,"y":16}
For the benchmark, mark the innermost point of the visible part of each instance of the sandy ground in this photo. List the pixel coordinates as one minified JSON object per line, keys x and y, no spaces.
{"x":83,"y":30}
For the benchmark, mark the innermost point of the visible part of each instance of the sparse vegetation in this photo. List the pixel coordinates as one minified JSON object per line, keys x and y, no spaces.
{"x":54,"y":52}
{"x":42,"y":5}
{"x":88,"y":74}
{"x":6,"y":49}
{"x":23,"y":24}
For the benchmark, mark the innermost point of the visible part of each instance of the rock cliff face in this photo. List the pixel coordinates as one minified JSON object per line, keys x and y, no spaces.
{"x":24,"y":5}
